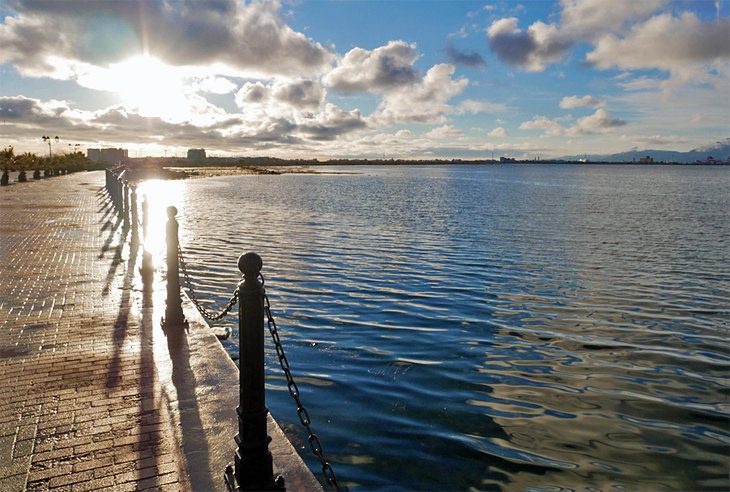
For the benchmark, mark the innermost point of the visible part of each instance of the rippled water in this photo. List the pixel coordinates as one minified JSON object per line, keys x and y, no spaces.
{"x":494,"y":327}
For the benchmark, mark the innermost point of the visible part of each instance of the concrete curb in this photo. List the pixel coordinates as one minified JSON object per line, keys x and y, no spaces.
{"x":200,"y":386}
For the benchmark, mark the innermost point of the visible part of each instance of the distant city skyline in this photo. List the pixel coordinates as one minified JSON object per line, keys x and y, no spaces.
{"x":366,"y":79}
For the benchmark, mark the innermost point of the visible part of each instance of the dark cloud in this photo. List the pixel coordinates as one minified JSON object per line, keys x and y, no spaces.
{"x":464,"y":58}
{"x":248,"y":37}
{"x":300,"y":94}
{"x":332,"y":123}
{"x":25,"y":116}
{"x":532,"y":49}
{"x":25,"y":110}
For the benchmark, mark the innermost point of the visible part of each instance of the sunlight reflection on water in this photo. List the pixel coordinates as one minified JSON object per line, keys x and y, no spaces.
{"x":489,"y":327}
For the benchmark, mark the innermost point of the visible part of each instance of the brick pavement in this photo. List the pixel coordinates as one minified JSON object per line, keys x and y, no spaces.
{"x":80,"y":407}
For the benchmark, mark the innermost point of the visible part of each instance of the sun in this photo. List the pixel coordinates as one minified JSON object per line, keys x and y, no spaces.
{"x":151,"y":88}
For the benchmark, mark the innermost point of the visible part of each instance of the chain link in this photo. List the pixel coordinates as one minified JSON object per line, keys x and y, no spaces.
{"x":207,"y":314}
{"x":315,"y":445}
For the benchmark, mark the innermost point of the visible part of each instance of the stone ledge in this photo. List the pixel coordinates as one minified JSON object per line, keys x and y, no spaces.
{"x":201,"y":389}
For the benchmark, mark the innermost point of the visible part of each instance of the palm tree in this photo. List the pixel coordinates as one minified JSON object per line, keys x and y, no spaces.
{"x":36,"y":165}
{"x":7,"y":156}
{"x":25,"y":162}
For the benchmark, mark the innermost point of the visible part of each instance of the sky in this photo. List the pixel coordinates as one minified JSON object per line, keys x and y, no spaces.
{"x":328,"y":79}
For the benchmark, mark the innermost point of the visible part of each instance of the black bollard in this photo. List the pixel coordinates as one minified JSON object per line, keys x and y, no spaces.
{"x":145,"y":216}
{"x":135,"y":219}
{"x":173,"y":309}
{"x":125,"y":203}
{"x":253,"y":465}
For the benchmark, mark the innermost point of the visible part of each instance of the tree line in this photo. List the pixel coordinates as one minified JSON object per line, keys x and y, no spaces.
{"x":43,"y":167}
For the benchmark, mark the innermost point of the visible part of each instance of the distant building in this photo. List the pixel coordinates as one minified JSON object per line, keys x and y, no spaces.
{"x":646,"y":160}
{"x":108,"y":156}
{"x":711,"y":160}
{"x":196,"y":154}
{"x":507,"y":159}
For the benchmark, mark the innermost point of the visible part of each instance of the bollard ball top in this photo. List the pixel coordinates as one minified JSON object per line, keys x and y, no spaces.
{"x":171,"y":211}
{"x":250,"y":264}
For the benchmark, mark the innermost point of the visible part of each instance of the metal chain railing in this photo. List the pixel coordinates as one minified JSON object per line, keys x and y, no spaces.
{"x":316,"y":446}
{"x":207,"y":314}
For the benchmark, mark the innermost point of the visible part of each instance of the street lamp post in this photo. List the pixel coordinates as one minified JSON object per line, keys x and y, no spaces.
{"x":48,"y":139}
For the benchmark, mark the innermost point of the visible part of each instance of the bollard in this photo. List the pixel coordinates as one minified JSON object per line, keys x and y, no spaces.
{"x":253,"y":465}
{"x":145,"y":216}
{"x":135,"y":219}
{"x":173,"y":310}
{"x":117,"y":193}
{"x":125,"y":204}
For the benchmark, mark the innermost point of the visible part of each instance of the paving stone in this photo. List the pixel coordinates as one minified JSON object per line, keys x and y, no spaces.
{"x":77,"y":376}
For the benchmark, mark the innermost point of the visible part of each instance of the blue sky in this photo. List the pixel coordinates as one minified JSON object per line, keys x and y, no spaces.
{"x":400,"y":79}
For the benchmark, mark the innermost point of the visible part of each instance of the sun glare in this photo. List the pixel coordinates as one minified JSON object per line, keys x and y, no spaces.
{"x":151,"y":88}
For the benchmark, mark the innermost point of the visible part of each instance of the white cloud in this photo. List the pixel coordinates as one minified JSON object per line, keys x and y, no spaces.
{"x":445,"y":131}
{"x":586,"y":19}
{"x":600,"y":121}
{"x":214,"y":85}
{"x":382,"y":69}
{"x":423,"y":102}
{"x":498,"y":132}
{"x":570,"y":102}
{"x":471,"y":106}
{"x":550,"y":127}
{"x":659,"y":140}
{"x":642,"y":83}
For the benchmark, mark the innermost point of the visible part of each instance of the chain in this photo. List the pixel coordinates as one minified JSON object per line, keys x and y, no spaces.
{"x":207,"y":314}
{"x":327,"y":472}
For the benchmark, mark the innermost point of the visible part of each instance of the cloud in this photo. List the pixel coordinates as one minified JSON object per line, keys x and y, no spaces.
{"x":600,"y":121}
{"x":550,"y":127}
{"x":463,"y":57}
{"x":681,"y":45}
{"x":498,"y":132}
{"x":531,"y":50}
{"x":470,"y":106}
{"x":570,"y":102}
{"x":662,"y":140}
{"x":445,"y":131}
{"x":214,"y":85}
{"x":382,"y":69}
{"x":26,"y":111}
{"x":243,"y":38}
{"x":586,"y":19}
{"x":27,"y":116}
{"x":626,"y":34}
{"x":300,"y":94}
{"x":281,"y":95}
{"x":423,"y":102}
{"x":331,"y":123}
{"x":642,"y":83}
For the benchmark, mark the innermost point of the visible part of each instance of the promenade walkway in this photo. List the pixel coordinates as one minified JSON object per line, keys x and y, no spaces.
{"x":91,"y":395}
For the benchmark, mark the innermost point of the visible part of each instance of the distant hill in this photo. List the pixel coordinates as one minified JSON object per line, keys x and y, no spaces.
{"x":718,"y":150}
